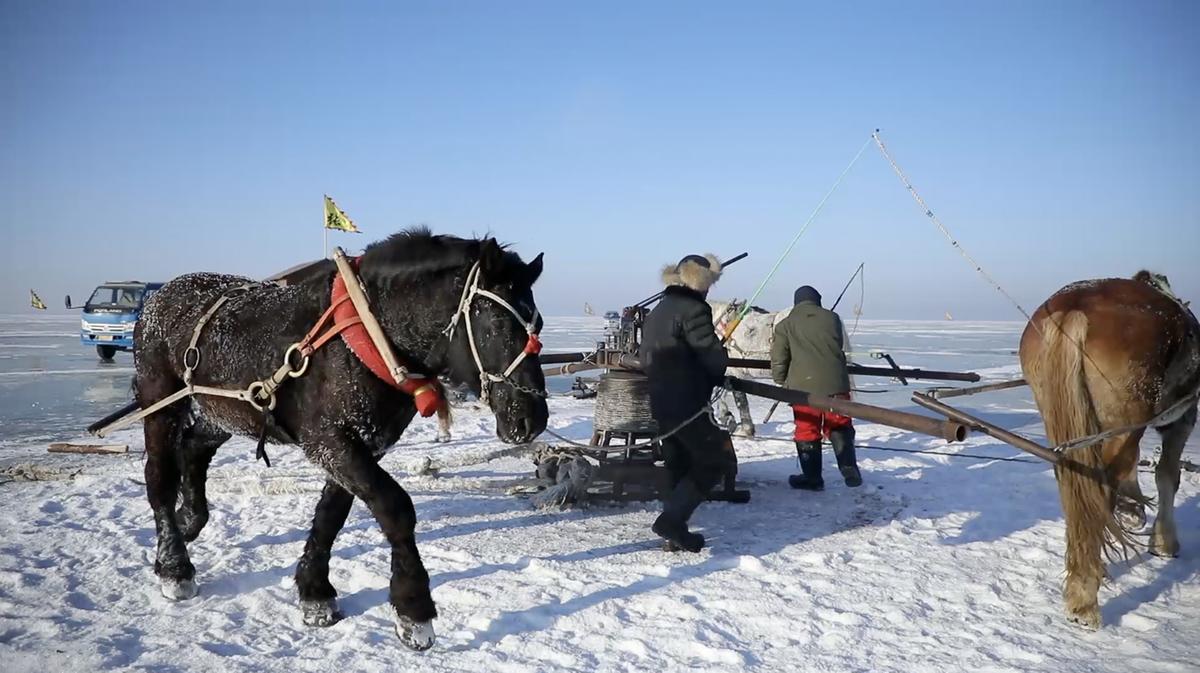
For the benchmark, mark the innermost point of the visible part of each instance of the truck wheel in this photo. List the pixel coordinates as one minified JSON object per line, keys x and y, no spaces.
{"x":106,"y":353}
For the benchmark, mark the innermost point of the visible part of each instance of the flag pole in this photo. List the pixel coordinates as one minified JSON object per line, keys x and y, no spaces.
{"x":324,"y":229}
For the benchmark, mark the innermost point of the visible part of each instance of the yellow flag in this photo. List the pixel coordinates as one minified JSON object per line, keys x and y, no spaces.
{"x":336,"y":219}
{"x":36,"y":301}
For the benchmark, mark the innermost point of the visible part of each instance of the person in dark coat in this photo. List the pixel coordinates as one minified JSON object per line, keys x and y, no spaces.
{"x":808,"y":353}
{"x":684,"y":360}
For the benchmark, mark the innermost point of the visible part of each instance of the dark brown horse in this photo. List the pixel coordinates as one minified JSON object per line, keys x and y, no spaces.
{"x":1104,"y":355}
{"x":342,"y":415}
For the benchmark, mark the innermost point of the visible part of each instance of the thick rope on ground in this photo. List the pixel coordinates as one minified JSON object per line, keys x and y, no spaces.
{"x":572,"y":478}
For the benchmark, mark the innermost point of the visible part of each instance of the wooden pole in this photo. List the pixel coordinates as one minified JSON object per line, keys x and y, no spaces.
{"x":63,"y":447}
{"x":980,"y":425}
{"x":359,"y":298}
{"x":950,"y":430}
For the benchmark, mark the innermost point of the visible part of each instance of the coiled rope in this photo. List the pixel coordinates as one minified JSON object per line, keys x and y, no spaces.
{"x":657,"y":439}
{"x":623,"y":403}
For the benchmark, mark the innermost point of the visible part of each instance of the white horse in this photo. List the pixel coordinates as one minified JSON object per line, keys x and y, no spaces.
{"x":751,"y":340}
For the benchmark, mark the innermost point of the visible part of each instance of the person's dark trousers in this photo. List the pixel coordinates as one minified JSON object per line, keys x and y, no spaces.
{"x":696,"y":458}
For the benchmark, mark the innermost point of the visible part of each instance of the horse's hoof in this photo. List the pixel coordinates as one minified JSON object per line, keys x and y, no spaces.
{"x":177,"y":590}
{"x":1088,"y":619}
{"x":743,"y":431}
{"x":321,"y":613}
{"x":442,"y":439}
{"x":417,"y":636}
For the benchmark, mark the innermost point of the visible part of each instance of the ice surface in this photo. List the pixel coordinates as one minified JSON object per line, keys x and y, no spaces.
{"x":937,"y":563}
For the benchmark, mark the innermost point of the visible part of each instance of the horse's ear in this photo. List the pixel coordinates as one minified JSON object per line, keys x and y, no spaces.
{"x":534,"y":269}
{"x":490,"y":255}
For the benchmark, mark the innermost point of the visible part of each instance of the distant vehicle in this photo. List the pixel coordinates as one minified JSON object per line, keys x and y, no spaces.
{"x":612,"y":315}
{"x":110,"y":314}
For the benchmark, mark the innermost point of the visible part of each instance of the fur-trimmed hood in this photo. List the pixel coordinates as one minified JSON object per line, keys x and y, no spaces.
{"x":691,"y":274}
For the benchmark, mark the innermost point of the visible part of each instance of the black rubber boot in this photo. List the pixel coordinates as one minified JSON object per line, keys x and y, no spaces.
{"x":843,"y":449}
{"x":672,"y":524}
{"x":809,"y":478}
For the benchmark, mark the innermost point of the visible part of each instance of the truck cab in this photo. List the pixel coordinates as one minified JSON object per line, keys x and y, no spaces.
{"x":110,"y":314}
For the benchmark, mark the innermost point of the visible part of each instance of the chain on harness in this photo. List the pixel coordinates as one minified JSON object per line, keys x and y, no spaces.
{"x":533,"y":345}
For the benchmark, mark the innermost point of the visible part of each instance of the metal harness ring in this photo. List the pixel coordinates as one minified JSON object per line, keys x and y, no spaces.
{"x":293,"y":370}
{"x":254,"y":397}
{"x":188,"y":355}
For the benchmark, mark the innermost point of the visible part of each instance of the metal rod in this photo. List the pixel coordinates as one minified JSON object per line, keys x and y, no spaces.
{"x":605,"y":358}
{"x":733,"y":260}
{"x":924,"y":374}
{"x":852,"y":277}
{"x":972,"y":390}
{"x":771,"y":411}
{"x":951,"y":431}
{"x":860,"y":370}
{"x":658,"y":295}
{"x":997,"y":432}
{"x":570,"y":368}
{"x":131,"y":416}
{"x":896,"y":368}
{"x":563,"y":358}
{"x":114,"y":416}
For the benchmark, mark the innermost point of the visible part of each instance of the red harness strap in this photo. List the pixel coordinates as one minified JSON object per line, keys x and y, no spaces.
{"x":426,"y":393}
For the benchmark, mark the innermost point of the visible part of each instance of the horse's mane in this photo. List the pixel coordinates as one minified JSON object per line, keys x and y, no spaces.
{"x":419,"y":252}
{"x":1159,"y":282}
{"x":1151,"y":278}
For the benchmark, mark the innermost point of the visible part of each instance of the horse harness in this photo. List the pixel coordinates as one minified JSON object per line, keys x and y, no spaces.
{"x":353,"y":320}
{"x":533,"y":344}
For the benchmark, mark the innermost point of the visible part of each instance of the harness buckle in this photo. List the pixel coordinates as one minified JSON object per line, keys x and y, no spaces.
{"x":260,"y":397}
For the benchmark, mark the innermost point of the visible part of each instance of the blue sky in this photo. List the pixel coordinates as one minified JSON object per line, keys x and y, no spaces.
{"x":1056,"y":140}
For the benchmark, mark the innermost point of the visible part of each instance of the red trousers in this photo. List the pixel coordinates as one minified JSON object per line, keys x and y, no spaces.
{"x":812,"y":424}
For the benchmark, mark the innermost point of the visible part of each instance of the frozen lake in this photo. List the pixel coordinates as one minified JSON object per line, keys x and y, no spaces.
{"x":938,"y":563}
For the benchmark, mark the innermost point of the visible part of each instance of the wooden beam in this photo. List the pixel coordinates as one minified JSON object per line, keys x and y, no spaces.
{"x":65,"y":447}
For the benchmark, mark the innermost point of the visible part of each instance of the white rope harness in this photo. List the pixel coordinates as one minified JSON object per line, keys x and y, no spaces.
{"x":471,"y":290}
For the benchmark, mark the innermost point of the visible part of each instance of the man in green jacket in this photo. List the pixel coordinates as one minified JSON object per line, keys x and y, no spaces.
{"x":808,"y":353}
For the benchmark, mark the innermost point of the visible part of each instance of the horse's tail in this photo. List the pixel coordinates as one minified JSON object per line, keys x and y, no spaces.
{"x":444,"y":417}
{"x":1087,"y":491}
{"x":1058,"y":378}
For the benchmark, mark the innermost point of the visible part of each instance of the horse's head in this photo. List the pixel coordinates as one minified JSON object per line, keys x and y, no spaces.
{"x":494,"y":341}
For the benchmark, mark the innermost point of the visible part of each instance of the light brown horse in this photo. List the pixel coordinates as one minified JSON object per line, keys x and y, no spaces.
{"x":1103,"y":355}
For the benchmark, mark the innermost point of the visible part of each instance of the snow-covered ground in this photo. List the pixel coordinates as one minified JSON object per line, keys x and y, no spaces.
{"x":938,"y":563}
